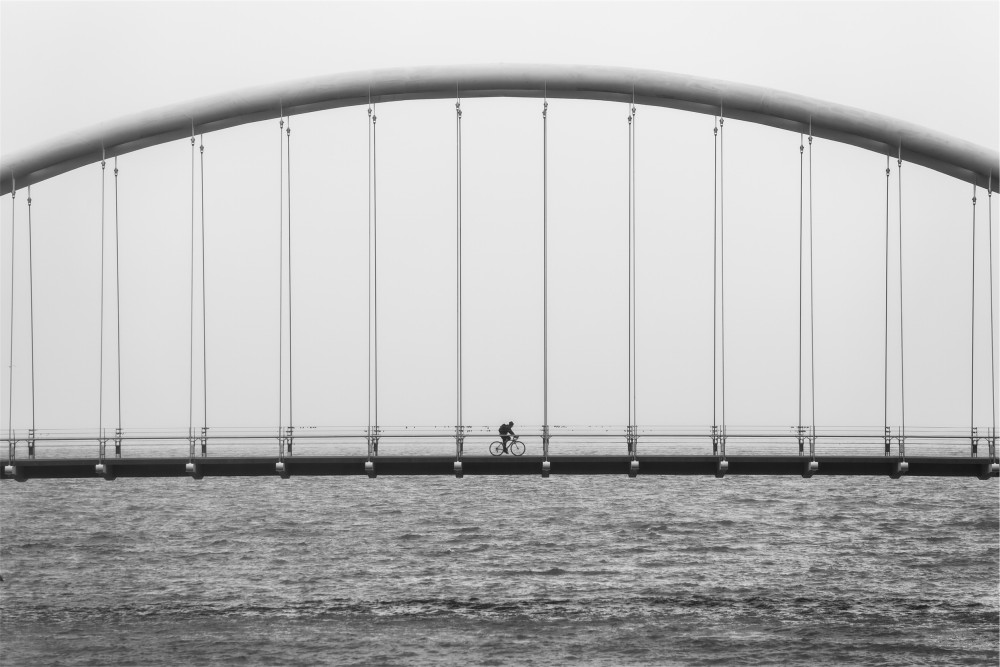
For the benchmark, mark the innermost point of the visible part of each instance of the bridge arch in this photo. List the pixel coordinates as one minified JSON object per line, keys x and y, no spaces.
{"x":796,"y":113}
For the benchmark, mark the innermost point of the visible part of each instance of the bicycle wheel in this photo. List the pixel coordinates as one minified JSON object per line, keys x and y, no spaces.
{"x":516,"y":448}
{"x":496,"y":448}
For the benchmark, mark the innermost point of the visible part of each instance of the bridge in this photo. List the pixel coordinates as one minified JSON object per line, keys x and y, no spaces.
{"x":636,"y":445}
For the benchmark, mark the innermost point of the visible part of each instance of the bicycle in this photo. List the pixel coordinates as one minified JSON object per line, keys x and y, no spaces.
{"x":515,"y":447}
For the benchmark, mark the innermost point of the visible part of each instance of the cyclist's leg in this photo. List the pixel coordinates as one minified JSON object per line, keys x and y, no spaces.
{"x":506,"y":439}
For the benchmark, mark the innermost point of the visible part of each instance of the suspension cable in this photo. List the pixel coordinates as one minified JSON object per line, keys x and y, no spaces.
{"x":281,"y":265}
{"x":191,"y":304}
{"x":722,"y":267}
{"x":10,"y":374}
{"x":993,"y":379}
{"x":715,"y":268}
{"x":372,"y":273}
{"x":634,"y":284}
{"x":204,"y":307}
{"x":118,"y":305}
{"x":375,"y":256}
{"x":972,"y":328}
{"x":812,"y":301}
{"x":801,"y":240}
{"x":902,"y":366}
{"x":458,"y":262}
{"x":100,"y":393}
{"x":369,"y":266}
{"x":885,"y":354}
{"x":31,"y":313}
{"x":288,"y":176}
{"x":545,"y":270}
{"x":631,"y":268}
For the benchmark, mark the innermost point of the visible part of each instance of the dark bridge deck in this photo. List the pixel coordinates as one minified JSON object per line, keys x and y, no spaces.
{"x":265,"y":466}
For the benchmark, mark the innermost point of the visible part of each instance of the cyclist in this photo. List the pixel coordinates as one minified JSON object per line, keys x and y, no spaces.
{"x":506,"y":431}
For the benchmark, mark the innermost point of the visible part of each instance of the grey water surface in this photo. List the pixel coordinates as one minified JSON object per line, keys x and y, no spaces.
{"x":500,"y":571}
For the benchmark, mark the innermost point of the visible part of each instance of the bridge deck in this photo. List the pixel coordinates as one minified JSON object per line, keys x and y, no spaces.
{"x":264,"y":466}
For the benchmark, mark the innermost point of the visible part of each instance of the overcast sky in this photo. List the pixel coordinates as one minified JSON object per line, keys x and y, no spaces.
{"x":67,"y":66}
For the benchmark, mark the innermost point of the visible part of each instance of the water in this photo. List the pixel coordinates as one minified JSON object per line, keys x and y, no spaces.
{"x":500,"y":571}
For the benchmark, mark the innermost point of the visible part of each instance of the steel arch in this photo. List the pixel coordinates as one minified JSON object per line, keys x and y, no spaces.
{"x":881,"y":134}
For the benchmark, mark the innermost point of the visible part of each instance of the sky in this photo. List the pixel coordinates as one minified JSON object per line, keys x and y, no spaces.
{"x":67,"y":66}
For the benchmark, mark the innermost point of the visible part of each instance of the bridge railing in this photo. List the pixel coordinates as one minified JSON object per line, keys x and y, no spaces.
{"x":563,"y":440}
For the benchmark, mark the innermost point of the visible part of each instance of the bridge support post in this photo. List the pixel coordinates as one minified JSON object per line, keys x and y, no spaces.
{"x":103,"y":469}
{"x":191,"y":441}
{"x":715,"y":440}
{"x":372,"y":453}
{"x":800,"y":432}
{"x":31,"y":444}
{"x":974,"y":437}
{"x":459,"y":450}
{"x":632,"y":439}
{"x":887,"y":436}
{"x":289,"y":438}
{"x":118,"y":443}
{"x":204,"y":441}
{"x":546,"y":464}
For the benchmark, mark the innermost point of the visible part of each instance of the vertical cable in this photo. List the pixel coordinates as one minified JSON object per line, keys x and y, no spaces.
{"x":369,"y":267}
{"x":545,"y":270}
{"x":288,"y":176}
{"x":885,"y":356}
{"x":801,"y":208}
{"x":375,"y":256}
{"x":972,"y":328}
{"x":715,"y":268}
{"x":631,"y":272}
{"x":902,"y":366}
{"x":118,"y":304}
{"x":31,"y":310}
{"x":10,"y":374}
{"x":372,"y":273}
{"x":204,"y":307}
{"x":993,"y":380}
{"x":191,"y":316}
{"x":458,"y":262}
{"x":100,"y":393}
{"x":634,"y":285}
{"x":722,"y":268}
{"x":812,"y":301}
{"x":281,"y":269}
{"x":629,"y":358}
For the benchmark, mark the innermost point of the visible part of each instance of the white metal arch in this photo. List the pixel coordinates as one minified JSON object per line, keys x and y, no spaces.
{"x":914,"y":144}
